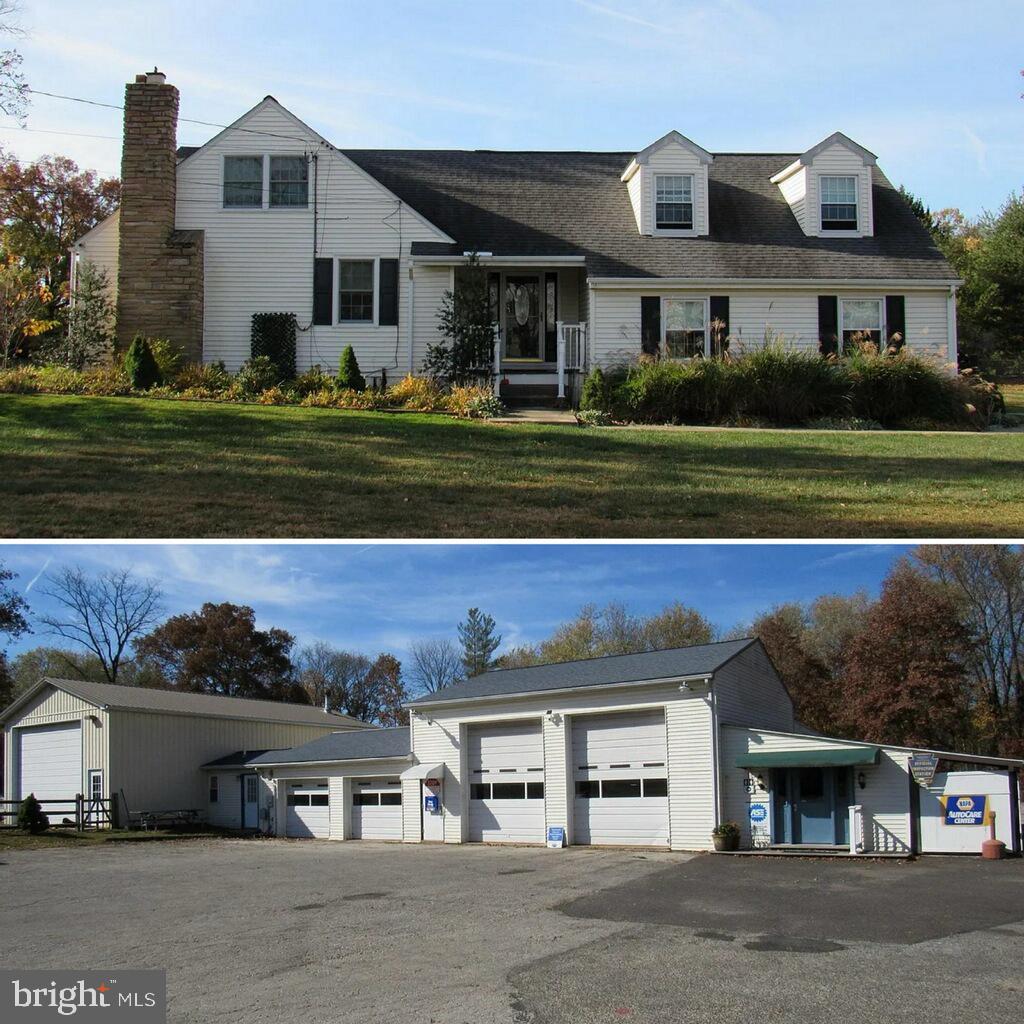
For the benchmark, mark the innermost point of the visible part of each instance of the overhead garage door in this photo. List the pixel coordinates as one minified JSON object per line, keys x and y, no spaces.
{"x":50,"y":765}
{"x":377,"y":808}
{"x":621,"y":779}
{"x":506,"y":791}
{"x":309,"y":809}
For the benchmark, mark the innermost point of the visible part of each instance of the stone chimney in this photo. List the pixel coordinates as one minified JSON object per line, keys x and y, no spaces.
{"x":160,"y":269}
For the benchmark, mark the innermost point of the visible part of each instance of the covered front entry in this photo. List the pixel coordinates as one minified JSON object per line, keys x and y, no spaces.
{"x":620,"y":778}
{"x":377,"y":808}
{"x":506,"y":791}
{"x":811,"y":791}
{"x":309,"y":809}
{"x":811,"y":806}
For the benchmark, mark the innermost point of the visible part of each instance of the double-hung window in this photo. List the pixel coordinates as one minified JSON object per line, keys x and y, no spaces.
{"x":686,"y":334}
{"x":214,"y":789}
{"x":673,"y":202}
{"x":860,"y":320}
{"x":355,"y":291}
{"x":243,"y":182}
{"x":289,"y":181}
{"x":838,"y":202}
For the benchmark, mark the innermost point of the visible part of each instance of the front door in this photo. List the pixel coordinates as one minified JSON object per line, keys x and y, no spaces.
{"x":523,"y":320}
{"x":815,"y":806}
{"x":250,"y":802}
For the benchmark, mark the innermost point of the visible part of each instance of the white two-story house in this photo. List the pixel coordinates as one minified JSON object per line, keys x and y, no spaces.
{"x":593,"y":258}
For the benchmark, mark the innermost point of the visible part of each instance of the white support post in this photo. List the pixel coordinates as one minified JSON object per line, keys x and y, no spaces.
{"x":497,"y":361}
{"x":856,"y":812}
{"x":560,"y":339}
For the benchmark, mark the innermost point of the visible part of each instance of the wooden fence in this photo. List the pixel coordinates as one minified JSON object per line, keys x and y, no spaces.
{"x":77,"y":812}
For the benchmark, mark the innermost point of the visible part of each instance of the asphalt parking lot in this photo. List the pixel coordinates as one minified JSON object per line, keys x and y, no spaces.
{"x":271,"y":930}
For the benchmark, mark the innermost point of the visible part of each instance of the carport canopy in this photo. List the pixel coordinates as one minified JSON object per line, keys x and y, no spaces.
{"x":823,"y":757}
{"x":424,"y":771}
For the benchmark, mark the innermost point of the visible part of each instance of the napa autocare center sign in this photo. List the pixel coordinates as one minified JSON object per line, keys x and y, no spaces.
{"x":96,"y":997}
{"x":966,"y":810}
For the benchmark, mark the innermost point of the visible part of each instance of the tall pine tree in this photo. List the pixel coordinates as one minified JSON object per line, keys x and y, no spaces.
{"x":479,"y":642}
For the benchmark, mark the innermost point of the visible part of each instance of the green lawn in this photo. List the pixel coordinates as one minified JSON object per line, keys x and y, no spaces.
{"x":91,"y":467}
{"x":1014,"y":395}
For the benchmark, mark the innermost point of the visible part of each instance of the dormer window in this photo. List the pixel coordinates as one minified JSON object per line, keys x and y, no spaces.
{"x":673,"y":202}
{"x":838,"y":202}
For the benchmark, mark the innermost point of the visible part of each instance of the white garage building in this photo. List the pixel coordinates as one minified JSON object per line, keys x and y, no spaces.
{"x":651,"y":750}
{"x":65,"y":737}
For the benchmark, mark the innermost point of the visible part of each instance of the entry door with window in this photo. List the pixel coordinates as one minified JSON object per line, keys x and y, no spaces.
{"x":95,"y":813}
{"x":523,"y":318}
{"x":250,"y":801}
{"x":815,"y":806}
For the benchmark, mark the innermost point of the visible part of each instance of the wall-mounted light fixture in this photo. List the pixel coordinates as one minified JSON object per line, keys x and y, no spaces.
{"x":862,"y":780}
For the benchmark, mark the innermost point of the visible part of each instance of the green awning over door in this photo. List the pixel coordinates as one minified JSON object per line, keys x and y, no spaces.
{"x":823,"y":757}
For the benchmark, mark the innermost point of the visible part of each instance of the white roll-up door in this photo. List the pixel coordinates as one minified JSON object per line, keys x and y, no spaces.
{"x":377,"y":808}
{"x":620,"y":778}
{"x":506,"y":783}
{"x":50,"y":766}
{"x":309,"y":809}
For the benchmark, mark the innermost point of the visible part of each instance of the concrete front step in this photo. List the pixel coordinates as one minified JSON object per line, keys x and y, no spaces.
{"x":538,"y":396}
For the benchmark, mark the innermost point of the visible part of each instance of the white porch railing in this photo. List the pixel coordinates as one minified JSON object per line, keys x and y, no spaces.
{"x":497,"y":361}
{"x":856,"y":829}
{"x":572,"y":351}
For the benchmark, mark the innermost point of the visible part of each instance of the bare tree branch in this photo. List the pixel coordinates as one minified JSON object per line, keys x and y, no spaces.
{"x":435,"y":665}
{"x":103,"y":613}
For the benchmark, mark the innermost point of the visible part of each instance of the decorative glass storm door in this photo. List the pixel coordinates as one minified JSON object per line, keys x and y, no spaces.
{"x":523,"y":320}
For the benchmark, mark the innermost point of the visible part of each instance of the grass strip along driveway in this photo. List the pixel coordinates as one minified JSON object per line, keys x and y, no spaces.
{"x":95,"y":467}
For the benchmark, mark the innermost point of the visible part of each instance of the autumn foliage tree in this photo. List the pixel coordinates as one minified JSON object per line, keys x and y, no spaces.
{"x":219,"y":650}
{"x":904,"y":677}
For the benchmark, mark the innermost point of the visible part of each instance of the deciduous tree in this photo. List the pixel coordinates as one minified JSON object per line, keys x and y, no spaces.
{"x":102,"y":614}
{"x":13,"y":623}
{"x":436,"y":664}
{"x":219,"y":650}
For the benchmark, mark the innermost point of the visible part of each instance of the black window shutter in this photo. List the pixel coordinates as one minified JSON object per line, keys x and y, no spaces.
{"x":718,"y":307}
{"x":387,"y":297}
{"x":650,"y":324}
{"x":828,"y":324}
{"x":895,"y":321}
{"x":550,"y":325}
{"x":323,"y":287}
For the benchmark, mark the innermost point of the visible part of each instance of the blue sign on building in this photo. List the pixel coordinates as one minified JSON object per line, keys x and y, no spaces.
{"x":965,"y":810}
{"x":758,"y":813}
{"x":556,"y":836}
{"x":431,"y":804}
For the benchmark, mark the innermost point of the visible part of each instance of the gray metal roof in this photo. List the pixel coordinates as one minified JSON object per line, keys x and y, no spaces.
{"x":363,"y":745}
{"x":676,"y":663}
{"x":574,"y":204}
{"x":238,"y":759}
{"x":140,"y":698}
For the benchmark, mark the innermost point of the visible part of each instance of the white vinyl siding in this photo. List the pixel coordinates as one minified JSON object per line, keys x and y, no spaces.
{"x":620,"y":768}
{"x":262,"y":260}
{"x":504,"y":760}
{"x":99,"y":247}
{"x":787,"y":313}
{"x":50,"y":766}
{"x":748,"y":691}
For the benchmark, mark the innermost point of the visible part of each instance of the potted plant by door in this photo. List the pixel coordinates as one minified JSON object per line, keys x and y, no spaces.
{"x":726,"y":836}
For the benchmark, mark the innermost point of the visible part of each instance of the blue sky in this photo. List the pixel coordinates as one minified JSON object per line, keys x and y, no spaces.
{"x":375,"y":597}
{"x":934,"y":89}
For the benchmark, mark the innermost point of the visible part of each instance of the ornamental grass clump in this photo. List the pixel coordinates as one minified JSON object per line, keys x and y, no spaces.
{"x":788,"y":386}
{"x":417,"y":394}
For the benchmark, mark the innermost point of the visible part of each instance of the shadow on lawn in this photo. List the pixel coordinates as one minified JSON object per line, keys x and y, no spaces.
{"x":141,"y":468}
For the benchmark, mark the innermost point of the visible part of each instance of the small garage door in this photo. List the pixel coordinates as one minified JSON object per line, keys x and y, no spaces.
{"x":309,"y":809}
{"x":506,"y":792}
{"x":621,"y":779}
{"x":50,"y":765}
{"x":377,"y":808}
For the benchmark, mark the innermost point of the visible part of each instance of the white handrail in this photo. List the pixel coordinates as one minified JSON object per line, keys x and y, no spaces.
{"x":497,"y":361}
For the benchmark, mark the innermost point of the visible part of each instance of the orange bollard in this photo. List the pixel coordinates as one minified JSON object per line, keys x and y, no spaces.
{"x":992,"y":848}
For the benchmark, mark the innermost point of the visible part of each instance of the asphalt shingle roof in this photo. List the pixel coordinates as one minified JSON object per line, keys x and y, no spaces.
{"x":345,"y":746}
{"x":140,"y":698}
{"x":547,"y":204}
{"x":621,"y":668}
{"x":238,"y":758}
